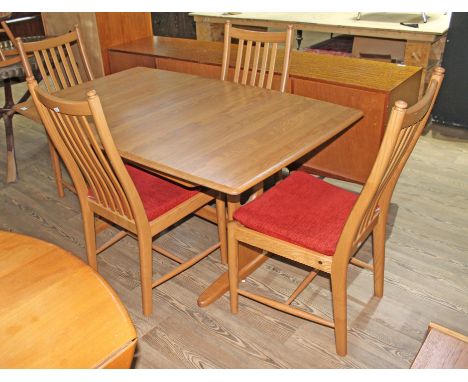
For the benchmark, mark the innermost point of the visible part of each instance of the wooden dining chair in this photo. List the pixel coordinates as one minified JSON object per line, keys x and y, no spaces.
{"x":256,"y":69}
{"x":62,"y":63}
{"x":309,"y":221}
{"x":142,"y":204}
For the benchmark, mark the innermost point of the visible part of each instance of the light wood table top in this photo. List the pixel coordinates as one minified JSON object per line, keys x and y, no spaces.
{"x":217,"y":134}
{"x":55,"y":311}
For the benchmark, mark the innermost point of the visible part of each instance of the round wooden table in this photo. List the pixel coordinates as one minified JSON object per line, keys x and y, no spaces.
{"x":56,"y":311}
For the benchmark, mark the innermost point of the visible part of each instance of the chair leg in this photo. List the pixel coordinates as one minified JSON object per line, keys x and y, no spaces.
{"x":338,"y":281}
{"x":222,"y":233}
{"x":146,"y":273}
{"x":56,"y":169}
{"x":12,"y":170}
{"x":90,"y":237}
{"x":7,"y":115}
{"x":233,"y":251}
{"x":378,"y":249}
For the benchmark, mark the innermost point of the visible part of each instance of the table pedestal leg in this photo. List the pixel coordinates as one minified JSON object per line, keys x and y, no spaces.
{"x":250,"y":259}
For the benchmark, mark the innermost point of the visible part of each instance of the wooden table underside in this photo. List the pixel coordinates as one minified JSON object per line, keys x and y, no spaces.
{"x":216,"y":134}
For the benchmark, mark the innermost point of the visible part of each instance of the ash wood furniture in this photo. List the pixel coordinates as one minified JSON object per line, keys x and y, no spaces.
{"x":248,"y":64}
{"x":311,"y":222}
{"x":57,"y":312}
{"x":143,"y":205}
{"x":423,"y":46}
{"x":442,"y":349}
{"x":212,"y":133}
{"x":59,"y":67}
{"x":100,"y":30}
{"x":370,"y":86}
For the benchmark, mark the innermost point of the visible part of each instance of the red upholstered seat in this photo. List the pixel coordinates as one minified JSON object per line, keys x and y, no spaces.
{"x":302,"y":210}
{"x":157,"y":194}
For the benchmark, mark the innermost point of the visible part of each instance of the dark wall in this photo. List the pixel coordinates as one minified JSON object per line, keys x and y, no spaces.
{"x":173,"y":24}
{"x":451,"y":107}
{"x":28,"y":24}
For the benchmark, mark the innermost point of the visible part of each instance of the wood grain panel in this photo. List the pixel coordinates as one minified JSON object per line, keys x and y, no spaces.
{"x":350,"y":155}
{"x":203,"y":70}
{"x":121,"y":27}
{"x":347,"y":71}
{"x":119,"y":61}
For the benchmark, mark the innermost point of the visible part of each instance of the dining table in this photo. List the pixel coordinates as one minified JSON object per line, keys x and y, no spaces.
{"x":205,"y":132}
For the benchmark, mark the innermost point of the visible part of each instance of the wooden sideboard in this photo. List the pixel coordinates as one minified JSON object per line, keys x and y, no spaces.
{"x":421,"y":46}
{"x":370,"y":86}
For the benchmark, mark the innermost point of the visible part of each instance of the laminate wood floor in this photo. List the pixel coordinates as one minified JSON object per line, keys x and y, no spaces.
{"x":426,"y":272}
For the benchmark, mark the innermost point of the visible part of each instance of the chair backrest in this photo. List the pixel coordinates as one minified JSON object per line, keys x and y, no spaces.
{"x":404,"y":127}
{"x":256,"y":71}
{"x":56,"y":60}
{"x":79,"y":132}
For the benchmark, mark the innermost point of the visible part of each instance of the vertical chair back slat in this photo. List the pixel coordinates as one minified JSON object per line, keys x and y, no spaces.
{"x":66,"y":66}
{"x":247,"y":62}
{"x":58,"y":68}
{"x":238,"y":61}
{"x":72,"y":59}
{"x":40,"y":65}
{"x":248,"y":67}
{"x":255,"y":63}
{"x":266,"y":49}
{"x":271,"y":70}
{"x":50,"y":69}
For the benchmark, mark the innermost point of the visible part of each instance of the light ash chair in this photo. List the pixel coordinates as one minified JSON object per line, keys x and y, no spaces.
{"x":62,"y":62}
{"x":142,"y":204}
{"x":312,"y":222}
{"x":255,"y":61}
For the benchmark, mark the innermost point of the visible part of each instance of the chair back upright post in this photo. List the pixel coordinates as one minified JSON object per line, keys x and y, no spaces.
{"x":56,"y":60}
{"x":78,"y":129}
{"x":257,"y":71}
{"x":404,"y":128}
